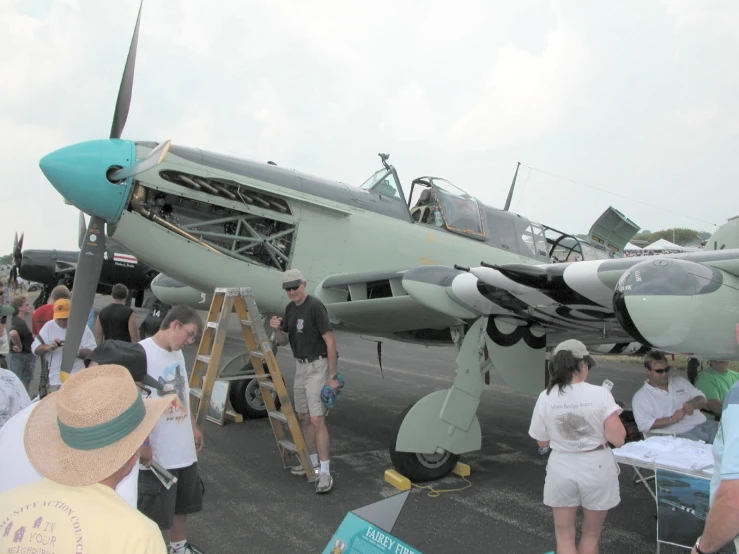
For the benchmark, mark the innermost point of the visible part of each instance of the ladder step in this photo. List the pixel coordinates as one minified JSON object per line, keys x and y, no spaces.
{"x":245,"y":322}
{"x":268,"y":385}
{"x":278,"y":415}
{"x":204,"y":358}
{"x":256,"y":354}
{"x":196,"y":392}
{"x":212,"y":324}
{"x":288,"y":445}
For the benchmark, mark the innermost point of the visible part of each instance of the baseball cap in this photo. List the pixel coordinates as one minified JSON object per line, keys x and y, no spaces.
{"x":292,"y":278}
{"x":131,"y":356}
{"x":61,"y":308}
{"x":577,"y":349}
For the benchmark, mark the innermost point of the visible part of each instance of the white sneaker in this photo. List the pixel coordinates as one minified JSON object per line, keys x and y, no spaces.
{"x":298,"y":470}
{"x":325,"y":483}
{"x":187,"y":549}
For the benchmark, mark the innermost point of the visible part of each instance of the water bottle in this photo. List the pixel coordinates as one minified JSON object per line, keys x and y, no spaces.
{"x":607,"y":384}
{"x":437,"y":217}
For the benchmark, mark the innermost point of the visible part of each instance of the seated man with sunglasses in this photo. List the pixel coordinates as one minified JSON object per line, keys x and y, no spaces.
{"x":669,"y":404}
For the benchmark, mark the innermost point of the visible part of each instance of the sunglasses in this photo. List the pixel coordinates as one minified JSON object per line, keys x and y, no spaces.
{"x":661,"y":371}
{"x":292,"y":288}
{"x":190,"y":334}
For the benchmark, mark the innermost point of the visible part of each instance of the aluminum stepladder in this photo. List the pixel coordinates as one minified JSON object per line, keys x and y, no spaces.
{"x":205,"y":371}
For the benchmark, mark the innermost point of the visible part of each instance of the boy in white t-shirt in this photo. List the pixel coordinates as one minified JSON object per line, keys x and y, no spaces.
{"x":175,"y":439}
{"x":50,"y":343}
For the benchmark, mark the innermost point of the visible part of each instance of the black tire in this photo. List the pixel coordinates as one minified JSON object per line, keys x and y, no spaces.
{"x":246,"y":399}
{"x":419,"y":468}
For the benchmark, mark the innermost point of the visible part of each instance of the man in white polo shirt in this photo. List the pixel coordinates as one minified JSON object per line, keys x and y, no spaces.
{"x":670,"y":404}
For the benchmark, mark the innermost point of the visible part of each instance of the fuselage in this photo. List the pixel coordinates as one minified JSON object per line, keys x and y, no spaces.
{"x":327,"y":236}
{"x":212,"y":221}
{"x":50,"y":267}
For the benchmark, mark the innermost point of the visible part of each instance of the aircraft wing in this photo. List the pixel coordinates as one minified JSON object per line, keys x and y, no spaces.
{"x":682,"y":303}
{"x":380,"y":302}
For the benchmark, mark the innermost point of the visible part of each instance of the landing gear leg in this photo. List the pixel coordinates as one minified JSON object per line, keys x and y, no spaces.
{"x":431,"y":434}
{"x":42,"y":298}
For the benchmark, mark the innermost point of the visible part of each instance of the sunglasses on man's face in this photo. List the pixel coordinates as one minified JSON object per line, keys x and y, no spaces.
{"x":661,"y":371}
{"x":292,"y":288}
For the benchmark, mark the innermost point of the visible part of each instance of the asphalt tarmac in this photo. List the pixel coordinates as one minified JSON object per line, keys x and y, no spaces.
{"x":254,"y":505}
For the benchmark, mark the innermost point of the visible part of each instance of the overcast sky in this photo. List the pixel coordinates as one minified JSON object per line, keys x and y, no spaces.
{"x":638,"y":98}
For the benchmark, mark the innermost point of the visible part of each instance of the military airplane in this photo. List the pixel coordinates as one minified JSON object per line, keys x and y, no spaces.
{"x":58,"y":267}
{"x":434,"y":267}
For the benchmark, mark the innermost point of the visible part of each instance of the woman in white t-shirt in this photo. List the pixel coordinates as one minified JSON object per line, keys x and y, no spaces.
{"x":577,"y":420}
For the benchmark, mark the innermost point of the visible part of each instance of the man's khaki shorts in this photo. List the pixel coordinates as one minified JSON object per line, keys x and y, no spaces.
{"x":587,"y":479}
{"x":309,"y":381}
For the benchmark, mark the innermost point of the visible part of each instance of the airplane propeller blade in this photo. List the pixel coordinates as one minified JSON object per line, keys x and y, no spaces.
{"x":18,"y":246}
{"x":123,"y":103}
{"x":17,"y":258}
{"x":86,"y":278}
{"x":153,"y":159}
{"x":81,"y":230}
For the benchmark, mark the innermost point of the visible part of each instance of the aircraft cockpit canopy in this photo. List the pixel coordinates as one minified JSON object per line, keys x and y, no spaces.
{"x":443,"y":204}
{"x":384,"y":182}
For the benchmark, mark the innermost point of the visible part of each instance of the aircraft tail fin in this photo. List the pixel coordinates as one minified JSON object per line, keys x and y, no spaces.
{"x":725,"y":237}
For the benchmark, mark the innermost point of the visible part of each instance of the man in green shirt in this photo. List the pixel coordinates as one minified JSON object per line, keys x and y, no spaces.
{"x":715,"y":381}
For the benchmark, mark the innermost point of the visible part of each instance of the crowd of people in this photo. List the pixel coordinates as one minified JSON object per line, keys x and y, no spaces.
{"x":93,"y":441}
{"x":89,"y":442}
{"x":576,"y":424}
{"x":97,"y":463}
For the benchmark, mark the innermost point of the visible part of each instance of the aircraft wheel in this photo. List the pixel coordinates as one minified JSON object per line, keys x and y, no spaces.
{"x":246,"y":398}
{"x":420,"y":467}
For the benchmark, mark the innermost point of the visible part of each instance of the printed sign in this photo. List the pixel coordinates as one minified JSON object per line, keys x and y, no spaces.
{"x":124,"y":259}
{"x":356,"y":536}
{"x":682,"y":503}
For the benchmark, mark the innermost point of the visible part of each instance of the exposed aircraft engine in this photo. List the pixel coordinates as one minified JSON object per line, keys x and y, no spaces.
{"x":680,"y":306}
{"x":223,"y":215}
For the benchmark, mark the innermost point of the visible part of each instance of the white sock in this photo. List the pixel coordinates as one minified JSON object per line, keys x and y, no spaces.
{"x":177,"y":546}
{"x":324,"y":467}
{"x":314,"y":459}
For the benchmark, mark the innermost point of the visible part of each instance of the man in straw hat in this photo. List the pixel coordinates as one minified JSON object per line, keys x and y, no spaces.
{"x":84,"y":439}
{"x":15,"y":467}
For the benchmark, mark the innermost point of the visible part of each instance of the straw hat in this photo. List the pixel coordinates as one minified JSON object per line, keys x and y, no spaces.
{"x":91,"y":427}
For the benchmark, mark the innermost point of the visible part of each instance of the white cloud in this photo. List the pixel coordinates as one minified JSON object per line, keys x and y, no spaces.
{"x":688,"y":14}
{"x":409,"y":116}
{"x":457,"y":90}
{"x":526,"y":96}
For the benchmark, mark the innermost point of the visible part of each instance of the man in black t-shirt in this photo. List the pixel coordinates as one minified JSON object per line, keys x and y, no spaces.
{"x":117,"y":321}
{"x":307,"y":328}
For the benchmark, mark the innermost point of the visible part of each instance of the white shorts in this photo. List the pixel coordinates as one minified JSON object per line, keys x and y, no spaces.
{"x":587,"y":479}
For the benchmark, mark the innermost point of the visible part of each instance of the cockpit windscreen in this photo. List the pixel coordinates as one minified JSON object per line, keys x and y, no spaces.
{"x":461,"y":211}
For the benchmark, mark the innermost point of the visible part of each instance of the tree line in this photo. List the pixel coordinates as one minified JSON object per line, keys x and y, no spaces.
{"x":678,"y":235}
